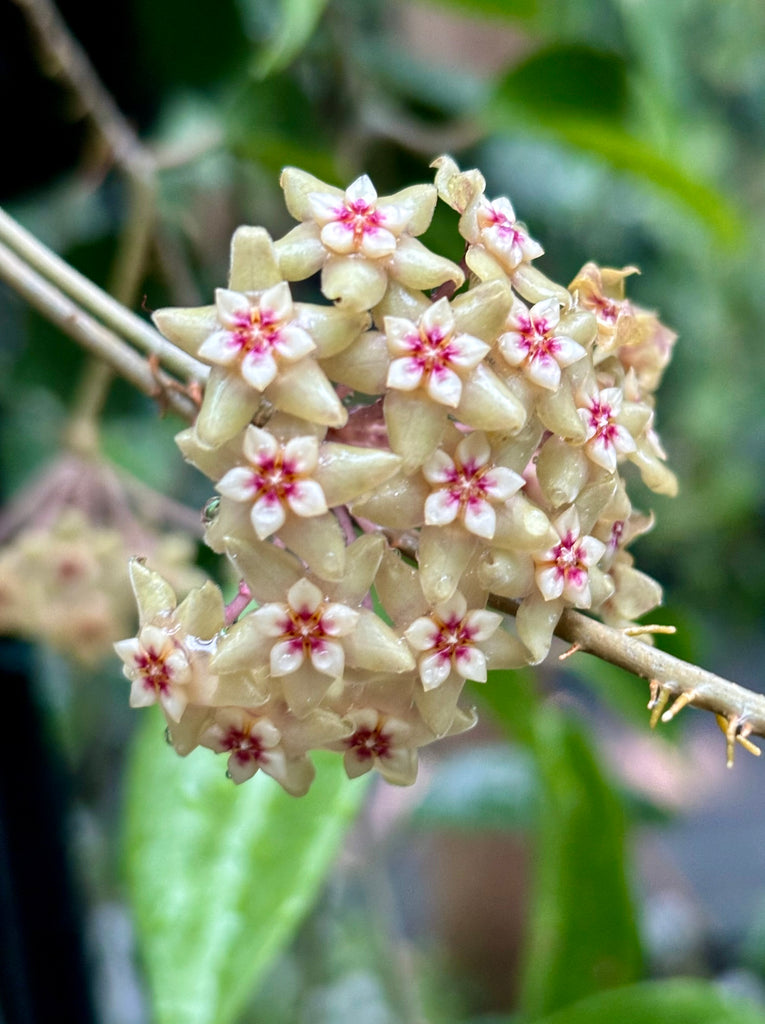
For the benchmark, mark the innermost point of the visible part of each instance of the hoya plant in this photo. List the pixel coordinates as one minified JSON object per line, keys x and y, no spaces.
{"x":396,"y":473}
{"x":417,"y":465}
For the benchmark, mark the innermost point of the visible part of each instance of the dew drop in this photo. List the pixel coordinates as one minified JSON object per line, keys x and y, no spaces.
{"x":210,"y":511}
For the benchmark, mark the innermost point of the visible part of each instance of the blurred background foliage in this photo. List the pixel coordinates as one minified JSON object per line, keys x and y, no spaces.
{"x":625,"y":132}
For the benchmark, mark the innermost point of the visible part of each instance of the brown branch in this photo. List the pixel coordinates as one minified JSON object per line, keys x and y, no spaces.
{"x":62,"y":311}
{"x":742,"y":709}
{"x":86,"y":294}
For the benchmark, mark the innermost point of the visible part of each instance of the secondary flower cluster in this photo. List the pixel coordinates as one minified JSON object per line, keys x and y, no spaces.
{"x":66,"y":541}
{"x":480,"y":430}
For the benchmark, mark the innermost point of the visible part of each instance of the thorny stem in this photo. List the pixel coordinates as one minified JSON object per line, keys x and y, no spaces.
{"x":674,"y":677}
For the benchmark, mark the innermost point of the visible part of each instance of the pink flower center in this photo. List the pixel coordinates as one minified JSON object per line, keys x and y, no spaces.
{"x":304,"y":630}
{"x":507,"y":228}
{"x":361,"y":218}
{"x":275,"y":478}
{"x":243,"y":745}
{"x":607,"y":310}
{"x":534,"y":339}
{"x":152,"y":665}
{"x":467,"y":484}
{"x":616,"y":535}
{"x":454,"y":638}
{"x":258,"y":331}
{"x":433,"y":350}
{"x":368,"y":743}
{"x":568,"y":560}
{"x":601,"y":421}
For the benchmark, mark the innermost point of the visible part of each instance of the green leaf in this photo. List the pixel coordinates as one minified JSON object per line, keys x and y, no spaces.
{"x":679,"y":1001}
{"x":297,"y":21}
{"x":579,"y":97}
{"x":511,"y":696}
{"x":583,"y":935}
{"x":569,"y":78}
{"x":505,"y":10}
{"x":220,"y":875}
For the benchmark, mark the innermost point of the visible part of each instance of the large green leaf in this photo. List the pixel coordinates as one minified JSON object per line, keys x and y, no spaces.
{"x":579,"y":96}
{"x":297,"y":21}
{"x":680,"y":1001}
{"x":221,"y":875}
{"x":583,"y":935}
{"x":505,"y":10}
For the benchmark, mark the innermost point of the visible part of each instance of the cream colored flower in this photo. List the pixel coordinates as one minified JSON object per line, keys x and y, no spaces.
{"x":168,"y":662}
{"x":277,"y":479}
{"x":467,"y":486}
{"x":606,"y":440}
{"x":448,"y":640}
{"x":534,"y":343}
{"x":563,"y":569}
{"x":360,"y":240}
{"x":261,"y":345}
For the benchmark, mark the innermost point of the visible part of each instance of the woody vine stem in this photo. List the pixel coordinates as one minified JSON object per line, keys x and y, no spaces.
{"x":134,"y":349}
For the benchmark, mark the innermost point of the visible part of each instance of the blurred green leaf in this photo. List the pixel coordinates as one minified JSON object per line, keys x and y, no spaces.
{"x":221,"y":875}
{"x":512,"y":698}
{"x":489,"y":787}
{"x":297,"y":21}
{"x":507,"y":10}
{"x":273,"y":123}
{"x":176,"y":45}
{"x":661,"y":1002}
{"x":582,"y":934}
{"x":579,"y":97}
{"x":569,"y":78}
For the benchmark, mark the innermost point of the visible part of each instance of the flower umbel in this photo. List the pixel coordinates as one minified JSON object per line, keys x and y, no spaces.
{"x":479,"y":432}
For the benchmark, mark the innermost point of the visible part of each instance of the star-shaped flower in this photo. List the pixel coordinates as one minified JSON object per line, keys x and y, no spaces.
{"x":281,"y":481}
{"x":277,"y":479}
{"x":534,"y":343}
{"x":257,"y":332}
{"x":261,"y":345}
{"x":360,"y":240}
{"x":606,"y":440}
{"x":168,"y":662}
{"x":563,"y":569}
{"x":306,"y":631}
{"x":448,"y":640}
{"x":431,"y":354}
{"x":388,"y":743}
{"x":499,"y":243}
{"x":467,"y":486}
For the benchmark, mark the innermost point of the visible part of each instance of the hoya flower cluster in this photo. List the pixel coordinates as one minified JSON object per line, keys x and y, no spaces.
{"x":479,"y":426}
{"x":65,"y":544}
